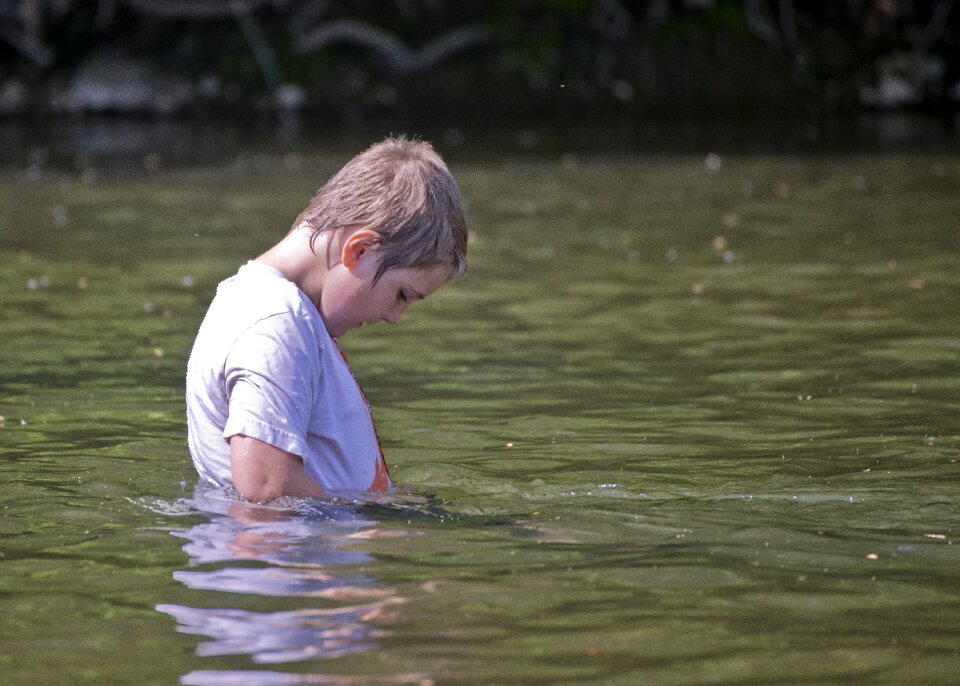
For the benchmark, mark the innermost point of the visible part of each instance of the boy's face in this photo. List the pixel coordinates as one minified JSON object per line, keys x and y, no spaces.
{"x":350,"y":299}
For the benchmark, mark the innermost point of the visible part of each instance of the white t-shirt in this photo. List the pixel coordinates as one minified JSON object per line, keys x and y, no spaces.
{"x":263,"y":365}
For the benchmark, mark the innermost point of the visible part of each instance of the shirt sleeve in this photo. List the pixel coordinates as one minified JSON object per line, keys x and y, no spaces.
{"x":271,"y":373}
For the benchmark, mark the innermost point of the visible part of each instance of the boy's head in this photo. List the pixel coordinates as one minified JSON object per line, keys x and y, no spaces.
{"x":402,"y":190}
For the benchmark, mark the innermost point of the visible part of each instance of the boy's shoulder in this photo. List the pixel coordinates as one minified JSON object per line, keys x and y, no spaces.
{"x":257,"y":293}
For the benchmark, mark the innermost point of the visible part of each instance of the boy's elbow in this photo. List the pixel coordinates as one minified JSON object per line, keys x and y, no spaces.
{"x":262,"y":472}
{"x":255,"y":469}
{"x":258,"y":488}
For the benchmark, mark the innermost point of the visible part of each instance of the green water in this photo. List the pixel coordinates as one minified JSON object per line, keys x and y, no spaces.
{"x":677,"y":426}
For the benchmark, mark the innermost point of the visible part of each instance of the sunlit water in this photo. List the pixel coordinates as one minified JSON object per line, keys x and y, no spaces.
{"x":690,"y":419}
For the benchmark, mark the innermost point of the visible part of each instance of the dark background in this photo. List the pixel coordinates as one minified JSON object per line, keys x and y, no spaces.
{"x":480,"y":58}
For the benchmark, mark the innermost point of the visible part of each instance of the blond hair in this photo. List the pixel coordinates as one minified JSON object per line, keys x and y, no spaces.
{"x":401,"y":189}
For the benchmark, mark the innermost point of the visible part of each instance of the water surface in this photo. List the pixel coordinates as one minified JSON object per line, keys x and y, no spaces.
{"x":690,"y":419}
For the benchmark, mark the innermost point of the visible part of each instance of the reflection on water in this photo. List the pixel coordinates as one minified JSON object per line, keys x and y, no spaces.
{"x":260,"y":678}
{"x":291,"y":550}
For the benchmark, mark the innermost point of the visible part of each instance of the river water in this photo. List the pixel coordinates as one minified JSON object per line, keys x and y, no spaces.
{"x":692,"y":418}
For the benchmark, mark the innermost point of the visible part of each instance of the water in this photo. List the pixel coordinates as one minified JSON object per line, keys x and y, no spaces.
{"x":689,"y":420}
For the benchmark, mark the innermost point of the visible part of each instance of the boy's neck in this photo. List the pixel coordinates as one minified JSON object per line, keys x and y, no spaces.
{"x":293,"y":258}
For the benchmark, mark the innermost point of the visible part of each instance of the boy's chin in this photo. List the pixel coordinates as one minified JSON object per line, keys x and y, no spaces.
{"x":342,"y":331}
{"x":335,"y":329}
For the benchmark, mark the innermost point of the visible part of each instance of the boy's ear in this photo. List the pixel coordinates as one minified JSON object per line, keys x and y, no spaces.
{"x":358,"y":245}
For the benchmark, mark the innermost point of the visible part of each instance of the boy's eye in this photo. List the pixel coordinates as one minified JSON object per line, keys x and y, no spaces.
{"x":403,"y":296}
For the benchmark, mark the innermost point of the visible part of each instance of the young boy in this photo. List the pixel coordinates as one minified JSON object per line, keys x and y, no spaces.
{"x":272,"y":407}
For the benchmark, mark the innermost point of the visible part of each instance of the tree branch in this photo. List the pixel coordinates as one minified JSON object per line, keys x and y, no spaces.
{"x":760,"y":22}
{"x":262,"y":51}
{"x":788,"y":26}
{"x":401,"y":59}
{"x":196,"y":9}
{"x":27,"y":45}
{"x":935,"y":27}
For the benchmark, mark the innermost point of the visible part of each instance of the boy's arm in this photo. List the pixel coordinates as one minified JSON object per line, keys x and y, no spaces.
{"x":262,"y":472}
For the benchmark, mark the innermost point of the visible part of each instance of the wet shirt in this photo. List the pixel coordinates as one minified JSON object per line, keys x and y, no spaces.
{"x":263,"y":365}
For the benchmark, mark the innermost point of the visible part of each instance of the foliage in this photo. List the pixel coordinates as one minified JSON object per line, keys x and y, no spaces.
{"x":629,"y":55}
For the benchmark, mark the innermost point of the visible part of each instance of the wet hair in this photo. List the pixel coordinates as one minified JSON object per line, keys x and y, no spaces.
{"x":401,"y":189}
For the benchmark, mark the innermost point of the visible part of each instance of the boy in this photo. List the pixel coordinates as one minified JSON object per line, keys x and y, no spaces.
{"x":272,"y":407}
